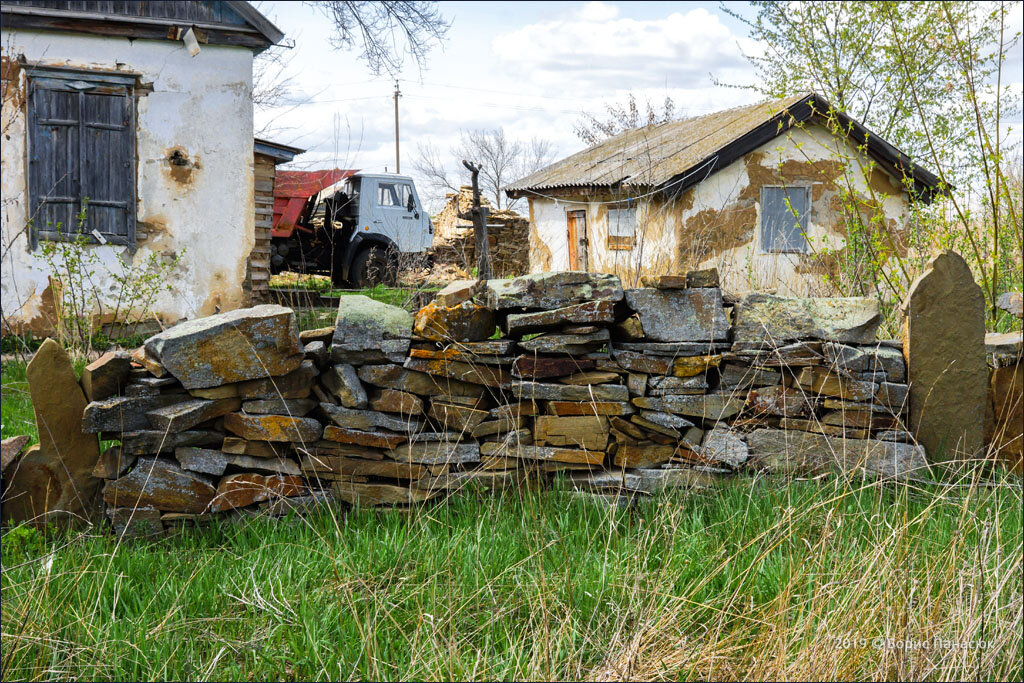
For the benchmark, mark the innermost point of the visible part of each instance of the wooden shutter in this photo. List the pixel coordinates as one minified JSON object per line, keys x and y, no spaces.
{"x":82,"y":154}
{"x":785,"y":214}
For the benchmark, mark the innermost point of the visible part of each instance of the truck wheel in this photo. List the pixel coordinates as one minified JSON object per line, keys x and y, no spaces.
{"x":374,"y":266}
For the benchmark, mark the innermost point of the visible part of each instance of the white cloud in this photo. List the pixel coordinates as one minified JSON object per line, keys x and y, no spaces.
{"x":597,"y":49}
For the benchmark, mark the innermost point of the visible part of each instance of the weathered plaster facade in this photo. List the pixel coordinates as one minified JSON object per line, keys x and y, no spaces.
{"x":199,"y":108}
{"x":716,"y":222}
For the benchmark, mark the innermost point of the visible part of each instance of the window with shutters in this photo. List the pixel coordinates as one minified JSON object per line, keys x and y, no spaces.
{"x":81,"y":156}
{"x":785,"y":218}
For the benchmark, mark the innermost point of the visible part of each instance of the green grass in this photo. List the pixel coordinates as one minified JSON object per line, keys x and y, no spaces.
{"x":762,"y":578}
{"x":756,"y":579}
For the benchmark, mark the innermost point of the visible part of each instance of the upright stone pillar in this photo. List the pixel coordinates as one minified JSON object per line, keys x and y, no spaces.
{"x":944,"y":346}
{"x":53,"y":481}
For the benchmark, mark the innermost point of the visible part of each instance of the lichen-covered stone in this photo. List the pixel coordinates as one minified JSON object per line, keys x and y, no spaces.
{"x":394,"y":401}
{"x":343,"y":381}
{"x":551,"y":290}
{"x":711,"y":407}
{"x":765,"y":317}
{"x":369,"y":419}
{"x":296,"y":407}
{"x":724,"y":445}
{"x":590,"y":312}
{"x":569,"y":392}
{"x":160,"y":484}
{"x":680,"y":315}
{"x":363,"y":324}
{"x":806,"y":452}
{"x":462,"y":322}
{"x":273,"y":427}
{"x":296,"y":384}
{"x":107,"y":375}
{"x":181,"y":416}
{"x":241,"y":490}
{"x":396,"y":377}
{"x":244,"y":344}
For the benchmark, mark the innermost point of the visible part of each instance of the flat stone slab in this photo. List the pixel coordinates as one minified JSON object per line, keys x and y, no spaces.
{"x":676,"y":386}
{"x":151,"y":441}
{"x":486,"y":375}
{"x":866,"y":359}
{"x":160,"y":484}
{"x":800,"y":452}
{"x":541,"y":367}
{"x":680,"y":315}
{"x":565,"y":343}
{"x":107,"y":375}
{"x":586,"y":313}
{"x":764,"y":317}
{"x":363,"y":323}
{"x":1012,"y":303}
{"x":674,"y":348}
{"x":182,"y":416}
{"x":569,"y":392}
{"x":247,"y":343}
{"x":436,"y":453}
{"x":551,"y":290}
{"x":724,"y":445}
{"x":414,"y":382}
{"x":466,"y":322}
{"x":273,"y":427}
{"x":296,"y":407}
{"x":709,"y":407}
{"x":544,"y":453}
{"x":370,"y":419}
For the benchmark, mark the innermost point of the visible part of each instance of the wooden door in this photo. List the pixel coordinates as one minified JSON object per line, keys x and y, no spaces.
{"x":576,"y":228}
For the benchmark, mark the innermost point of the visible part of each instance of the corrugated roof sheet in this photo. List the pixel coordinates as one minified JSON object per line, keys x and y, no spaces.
{"x":653,"y":155}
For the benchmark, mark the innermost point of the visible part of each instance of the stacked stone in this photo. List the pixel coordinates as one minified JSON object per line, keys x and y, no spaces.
{"x":818,"y":389}
{"x":210,"y":416}
{"x":623,"y":392}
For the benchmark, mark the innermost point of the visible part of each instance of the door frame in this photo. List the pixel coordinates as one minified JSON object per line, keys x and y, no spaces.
{"x":577,"y":243}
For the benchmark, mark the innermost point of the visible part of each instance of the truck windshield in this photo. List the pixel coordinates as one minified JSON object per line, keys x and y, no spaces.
{"x":394,"y":194}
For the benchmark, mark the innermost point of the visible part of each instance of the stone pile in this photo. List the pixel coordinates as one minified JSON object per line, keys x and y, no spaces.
{"x":492,"y":384}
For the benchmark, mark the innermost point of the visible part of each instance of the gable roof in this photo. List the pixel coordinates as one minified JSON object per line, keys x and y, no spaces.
{"x":676,"y":155}
{"x":219,"y":22}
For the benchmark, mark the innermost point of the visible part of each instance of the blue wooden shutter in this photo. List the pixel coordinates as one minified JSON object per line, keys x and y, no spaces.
{"x":82,"y":154}
{"x":785,"y":217}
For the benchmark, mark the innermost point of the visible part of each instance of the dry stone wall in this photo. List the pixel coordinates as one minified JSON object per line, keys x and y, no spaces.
{"x":495,"y":383}
{"x":624,"y":392}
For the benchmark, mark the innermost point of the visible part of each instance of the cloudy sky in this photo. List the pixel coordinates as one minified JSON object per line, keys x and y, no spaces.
{"x":529,"y":67}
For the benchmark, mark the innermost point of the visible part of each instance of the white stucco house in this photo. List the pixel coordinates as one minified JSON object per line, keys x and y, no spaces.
{"x":765,"y":193}
{"x":130,"y":124}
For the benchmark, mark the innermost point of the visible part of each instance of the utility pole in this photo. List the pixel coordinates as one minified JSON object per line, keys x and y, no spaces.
{"x":398,"y":166}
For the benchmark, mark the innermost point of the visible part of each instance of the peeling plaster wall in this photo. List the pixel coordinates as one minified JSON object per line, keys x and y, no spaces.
{"x":200,"y":108}
{"x":716,"y":223}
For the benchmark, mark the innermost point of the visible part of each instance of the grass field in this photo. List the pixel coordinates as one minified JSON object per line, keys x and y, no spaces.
{"x":762,"y":578}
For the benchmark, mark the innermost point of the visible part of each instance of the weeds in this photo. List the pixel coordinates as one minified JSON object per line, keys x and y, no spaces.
{"x":760,"y":579}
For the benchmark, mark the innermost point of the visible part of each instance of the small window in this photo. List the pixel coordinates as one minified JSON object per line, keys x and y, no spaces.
{"x":785,"y":216}
{"x":621,"y":227}
{"x":81,"y":141}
